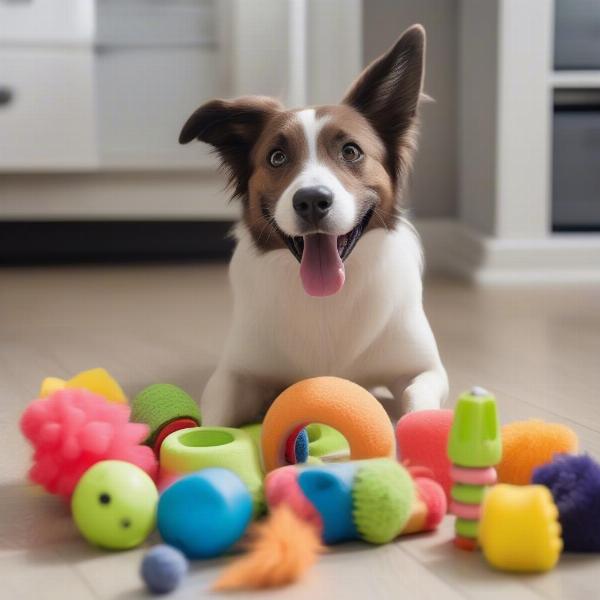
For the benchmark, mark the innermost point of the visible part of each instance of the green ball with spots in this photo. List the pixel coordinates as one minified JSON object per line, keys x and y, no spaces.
{"x":114,"y":505}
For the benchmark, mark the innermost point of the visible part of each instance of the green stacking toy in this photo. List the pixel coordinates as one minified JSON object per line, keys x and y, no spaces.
{"x":474,"y":447}
{"x":475,"y":434}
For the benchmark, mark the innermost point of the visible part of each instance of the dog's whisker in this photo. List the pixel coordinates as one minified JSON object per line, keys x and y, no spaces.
{"x":378,"y":214}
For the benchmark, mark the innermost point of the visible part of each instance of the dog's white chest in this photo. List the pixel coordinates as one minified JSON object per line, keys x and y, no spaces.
{"x":351,"y":334}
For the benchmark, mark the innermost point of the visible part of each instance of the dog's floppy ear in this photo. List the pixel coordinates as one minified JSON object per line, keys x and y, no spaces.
{"x":387,"y":92}
{"x":231,"y":127}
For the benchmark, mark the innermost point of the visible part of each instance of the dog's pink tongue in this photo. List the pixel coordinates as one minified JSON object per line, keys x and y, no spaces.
{"x":321,"y":269}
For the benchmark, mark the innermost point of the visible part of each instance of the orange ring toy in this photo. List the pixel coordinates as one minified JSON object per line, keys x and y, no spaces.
{"x":333,"y":401}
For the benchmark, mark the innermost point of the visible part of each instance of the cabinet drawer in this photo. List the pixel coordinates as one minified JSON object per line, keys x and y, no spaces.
{"x":577,"y":34}
{"x":47,"y":109}
{"x":144,"y":96}
{"x":42,"y":22}
{"x":156,"y":23}
{"x":576,"y":176}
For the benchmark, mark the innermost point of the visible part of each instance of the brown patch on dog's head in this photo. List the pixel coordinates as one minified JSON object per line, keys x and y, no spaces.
{"x":232,"y":128}
{"x":378,"y":116}
{"x":366,"y":179}
{"x":387,"y":93}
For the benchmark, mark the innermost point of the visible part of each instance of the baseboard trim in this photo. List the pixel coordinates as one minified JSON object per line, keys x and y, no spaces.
{"x":452,"y":248}
{"x":76,"y":241}
{"x":449,"y":246}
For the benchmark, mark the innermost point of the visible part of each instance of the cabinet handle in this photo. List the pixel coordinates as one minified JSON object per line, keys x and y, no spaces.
{"x":6,"y":95}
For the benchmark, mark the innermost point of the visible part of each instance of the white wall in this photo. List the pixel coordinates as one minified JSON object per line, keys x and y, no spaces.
{"x":433,"y":190}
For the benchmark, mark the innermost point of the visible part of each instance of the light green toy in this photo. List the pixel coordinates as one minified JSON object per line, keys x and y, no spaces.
{"x":114,"y":505}
{"x":253,"y":430}
{"x":325,"y":441}
{"x":475,"y":439}
{"x":190,"y":450}
{"x":474,"y":447}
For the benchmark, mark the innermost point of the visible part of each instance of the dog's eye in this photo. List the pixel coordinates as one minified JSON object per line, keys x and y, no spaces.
{"x":351,"y":152}
{"x":277,"y":158}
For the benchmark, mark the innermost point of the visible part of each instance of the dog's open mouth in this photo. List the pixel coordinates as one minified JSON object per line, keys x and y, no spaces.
{"x":321,"y":257}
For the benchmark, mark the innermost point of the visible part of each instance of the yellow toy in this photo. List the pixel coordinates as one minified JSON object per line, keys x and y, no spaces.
{"x":99,"y":381}
{"x":519,"y":528}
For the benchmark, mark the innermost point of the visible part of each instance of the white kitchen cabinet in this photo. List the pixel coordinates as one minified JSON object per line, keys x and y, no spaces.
{"x":104,"y":85}
{"x":46,"y":22}
{"x":47,"y":120}
{"x":144,"y":97}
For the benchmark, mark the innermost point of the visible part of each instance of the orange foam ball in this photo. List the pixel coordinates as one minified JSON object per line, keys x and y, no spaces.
{"x":336,"y":402}
{"x":527,"y":445}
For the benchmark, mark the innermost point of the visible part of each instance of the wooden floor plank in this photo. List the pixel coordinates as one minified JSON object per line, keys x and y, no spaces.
{"x":537,"y":349}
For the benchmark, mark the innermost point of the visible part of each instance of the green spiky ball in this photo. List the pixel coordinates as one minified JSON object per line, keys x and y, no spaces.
{"x":383,"y":495}
{"x":161,"y":403}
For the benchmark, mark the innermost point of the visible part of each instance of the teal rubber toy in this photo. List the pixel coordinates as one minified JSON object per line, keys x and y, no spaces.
{"x":189,"y":450}
{"x":114,"y":505}
{"x":205,"y":513}
{"x":367,"y":499}
{"x":329,"y":489}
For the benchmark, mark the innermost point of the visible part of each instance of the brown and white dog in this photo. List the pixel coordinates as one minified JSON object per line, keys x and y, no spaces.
{"x":326,"y":274}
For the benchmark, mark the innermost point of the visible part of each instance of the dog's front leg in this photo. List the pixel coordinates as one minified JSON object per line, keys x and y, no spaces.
{"x":427,"y":390}
{"x":231,"y":399}
{"x":422,"y":383}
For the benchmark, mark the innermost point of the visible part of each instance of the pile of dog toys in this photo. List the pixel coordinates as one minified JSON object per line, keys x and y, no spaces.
{"x":521,"y":493}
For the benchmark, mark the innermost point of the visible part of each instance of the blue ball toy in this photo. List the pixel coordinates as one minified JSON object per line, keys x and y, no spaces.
{"x":163,"y":568}
{"x":301,"y":448}
{"x":205,"y":513}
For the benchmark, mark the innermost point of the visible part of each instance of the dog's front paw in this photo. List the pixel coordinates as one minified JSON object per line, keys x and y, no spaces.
{"x":426,"y":391}
{"x":232,"y":400}
{"x":419,"y":398}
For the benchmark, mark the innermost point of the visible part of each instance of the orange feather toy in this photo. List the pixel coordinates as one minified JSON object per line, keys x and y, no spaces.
{"x":281,"y":549}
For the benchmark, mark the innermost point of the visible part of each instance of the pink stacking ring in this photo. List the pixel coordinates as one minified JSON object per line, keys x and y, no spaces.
{"x":486,"y":476}
{"x":466,"y":511}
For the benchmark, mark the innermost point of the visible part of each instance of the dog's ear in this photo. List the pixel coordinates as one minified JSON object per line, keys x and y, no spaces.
{"x":231,"y":127}
{"x":388,"y":91}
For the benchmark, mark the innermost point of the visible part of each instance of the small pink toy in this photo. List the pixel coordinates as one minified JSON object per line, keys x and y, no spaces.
{"x":73,"y":429}
{"x":422,"y":440}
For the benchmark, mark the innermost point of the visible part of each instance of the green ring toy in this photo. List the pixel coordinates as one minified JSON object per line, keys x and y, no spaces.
{"x":189,"y":450}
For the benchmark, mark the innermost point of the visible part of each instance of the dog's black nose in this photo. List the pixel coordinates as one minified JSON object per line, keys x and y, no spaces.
{"x":313,"y":203}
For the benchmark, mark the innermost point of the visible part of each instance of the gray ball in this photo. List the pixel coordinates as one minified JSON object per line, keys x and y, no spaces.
{"x":163,"y":568}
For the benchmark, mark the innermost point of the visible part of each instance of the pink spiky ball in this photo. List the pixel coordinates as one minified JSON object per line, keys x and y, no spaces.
{"x":73,"y":429}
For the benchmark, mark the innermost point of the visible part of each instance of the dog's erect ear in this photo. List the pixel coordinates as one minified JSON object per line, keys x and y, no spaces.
{"x":232,"y":127}
{"x":387,"y":92}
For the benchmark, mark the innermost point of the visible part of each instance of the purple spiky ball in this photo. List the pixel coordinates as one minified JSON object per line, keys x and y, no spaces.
{"x":575,"y":485}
